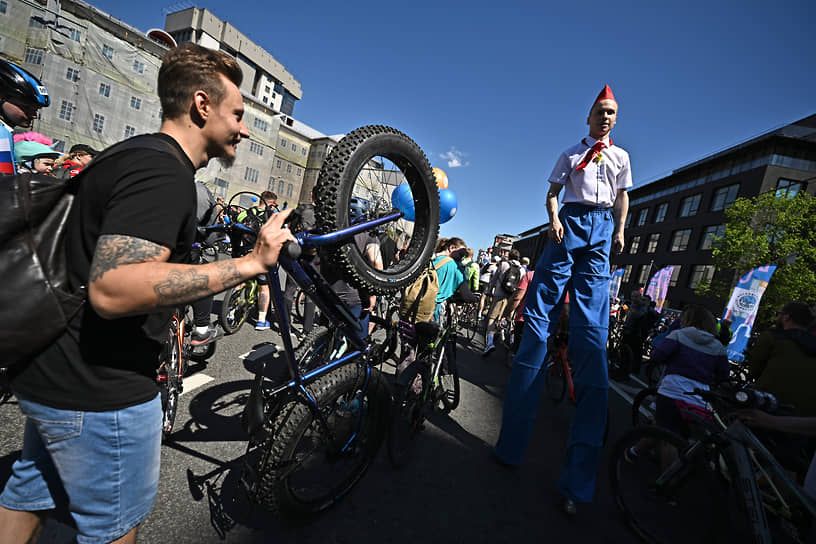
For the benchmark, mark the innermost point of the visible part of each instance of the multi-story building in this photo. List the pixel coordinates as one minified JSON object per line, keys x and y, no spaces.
{"x":674,"y":220}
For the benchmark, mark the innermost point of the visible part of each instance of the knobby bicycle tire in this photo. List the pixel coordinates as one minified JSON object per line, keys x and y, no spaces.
{"x":335,"y":189}
{"x":692,"y":506}
{"x":300,"y":304}
{"x":170,"y":386}
{"x":284,"y":469}
{"x":235,"y":308}
{"x":407,"y":414}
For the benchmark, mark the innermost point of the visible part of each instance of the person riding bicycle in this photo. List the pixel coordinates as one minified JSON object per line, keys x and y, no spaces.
{"x":254,"y":217}
{"x":21,"y":97}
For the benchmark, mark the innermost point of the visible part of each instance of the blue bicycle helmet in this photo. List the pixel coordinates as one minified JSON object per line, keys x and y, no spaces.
{"x":18,"y":85}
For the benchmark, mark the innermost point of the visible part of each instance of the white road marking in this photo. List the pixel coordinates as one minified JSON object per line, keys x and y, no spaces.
{"x":195,"y":381}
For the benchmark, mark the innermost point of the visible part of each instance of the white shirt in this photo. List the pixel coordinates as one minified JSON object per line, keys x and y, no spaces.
{"x":599,"y":182}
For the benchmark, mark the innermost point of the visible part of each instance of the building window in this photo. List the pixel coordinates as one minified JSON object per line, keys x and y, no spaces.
{"x":35,"y":22}
{"x":635,"y":245}
{"x":660,"y":212}
{"x":680,"y":240}
{"x":701,"y":273}
{"x":267,"y":89}
{"x":787,"y":188}
{"x":690,"y":205}
{"x":265,"y":99}
{"x":256,"y":148}
{"x":74,"y":34}
{"x":33,"y":56}
{"x":303,"y":151}
{"x":298,"y":172}
{"x":294,"y":147}
{"x":135,"y":103}
{"x":675,"y":275}
{"x":66,"y":110}
{"x":58,"y":145}
{"x":280,"y":186}
{"x":654,"y":239}
{"x":72,"y":74}
{"x":283,"y":143}
{"x":261,"y":125}
{"x":221,"y":186}
{"x":289,"y":168}
{"x":642,"y":217}
{"x":643,"y":275}
{"x":251,"y":175}
{"x":710,"y":235}
{"x":138,"y":66}
{"x":3,"y":7}
{"x":289,"y":189}
{"x":98,"y":123}
{"x":104,"y":89}
{"x":724,"y":197}
{"x":627,"y":273}
{"x":107,"y":51}
{"x":278,"y":164}
{"x":129,"y":131}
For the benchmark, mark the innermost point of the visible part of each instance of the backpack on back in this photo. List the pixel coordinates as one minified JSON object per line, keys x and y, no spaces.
{"x":33,"y":262}
{"x":419,"y":300}
{"x":512,"y":278}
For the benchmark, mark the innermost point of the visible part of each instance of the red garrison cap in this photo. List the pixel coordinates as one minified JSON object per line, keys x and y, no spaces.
{"x":606,"y":94}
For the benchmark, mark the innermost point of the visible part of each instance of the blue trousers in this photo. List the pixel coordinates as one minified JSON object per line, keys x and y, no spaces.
{"x":583,"y":257}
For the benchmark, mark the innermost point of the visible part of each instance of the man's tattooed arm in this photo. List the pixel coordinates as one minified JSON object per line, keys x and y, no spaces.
{"x":123,"y":266}
{"x":113,"y":250}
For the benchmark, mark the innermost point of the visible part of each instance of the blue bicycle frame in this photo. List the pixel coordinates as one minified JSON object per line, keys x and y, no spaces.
{"x":313,"y":285}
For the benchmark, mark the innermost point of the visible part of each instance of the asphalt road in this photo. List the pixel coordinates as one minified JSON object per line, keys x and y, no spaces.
{"x":451,"y":491}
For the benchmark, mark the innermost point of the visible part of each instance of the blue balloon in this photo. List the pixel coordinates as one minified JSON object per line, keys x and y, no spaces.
{"x":403,"y":200}
{"x":447,"y":205}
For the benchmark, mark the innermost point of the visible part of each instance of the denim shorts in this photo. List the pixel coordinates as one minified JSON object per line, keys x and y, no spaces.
{"x":106,"y":462}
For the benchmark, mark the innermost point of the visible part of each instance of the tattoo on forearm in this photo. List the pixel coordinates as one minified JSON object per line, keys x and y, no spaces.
{"x":182,"y":287}
{"x":228,"y":274}
{"x":113,"y":250}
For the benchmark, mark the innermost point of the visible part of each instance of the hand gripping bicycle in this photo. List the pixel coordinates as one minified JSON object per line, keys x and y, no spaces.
{"x":313,"y":436}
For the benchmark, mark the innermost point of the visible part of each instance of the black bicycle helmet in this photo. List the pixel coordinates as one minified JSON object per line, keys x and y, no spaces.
{"x":18,"y":85}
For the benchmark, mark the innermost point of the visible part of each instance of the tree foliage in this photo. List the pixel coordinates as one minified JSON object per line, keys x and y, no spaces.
{"x":769,"y":229}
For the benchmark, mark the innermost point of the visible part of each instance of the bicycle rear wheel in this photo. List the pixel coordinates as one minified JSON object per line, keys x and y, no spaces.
{"x":407,"y":414}
{"x":305,"y":468}
{"x":170,"y":379}
{"x":356,"y":181}
{"x":690,"y":501}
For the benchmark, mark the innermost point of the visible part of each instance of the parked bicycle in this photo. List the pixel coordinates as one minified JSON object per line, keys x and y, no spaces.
{"x":722,"y":485}
{"x":429,"y":383}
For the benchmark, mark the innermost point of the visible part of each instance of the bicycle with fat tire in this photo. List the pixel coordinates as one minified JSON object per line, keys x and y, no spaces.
{"x":314,"y":434}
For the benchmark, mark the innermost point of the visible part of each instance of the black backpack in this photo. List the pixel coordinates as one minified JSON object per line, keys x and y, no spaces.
{"x":512,"y":278}
{"x":32,"y":256}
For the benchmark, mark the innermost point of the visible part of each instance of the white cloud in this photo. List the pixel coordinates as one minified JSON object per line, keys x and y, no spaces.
{"x":455,"y":158}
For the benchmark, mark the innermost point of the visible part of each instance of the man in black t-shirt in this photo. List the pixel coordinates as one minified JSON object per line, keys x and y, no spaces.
{"x":93,"y":428}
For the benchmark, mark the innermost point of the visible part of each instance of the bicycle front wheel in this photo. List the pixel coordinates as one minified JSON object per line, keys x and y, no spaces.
{"x":663,"y":501}
{"x":305,"y":467}
{"x":234,"y":308}
{"x":356,"y":183}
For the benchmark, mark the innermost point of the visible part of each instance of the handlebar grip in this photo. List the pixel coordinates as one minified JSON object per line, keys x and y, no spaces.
{"x":291,"y":250}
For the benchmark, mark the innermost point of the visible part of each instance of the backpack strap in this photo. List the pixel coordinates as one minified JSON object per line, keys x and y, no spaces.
{"x":442,"y":263}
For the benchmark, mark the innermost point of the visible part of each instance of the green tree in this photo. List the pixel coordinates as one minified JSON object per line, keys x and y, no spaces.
{"x":768,"y":229}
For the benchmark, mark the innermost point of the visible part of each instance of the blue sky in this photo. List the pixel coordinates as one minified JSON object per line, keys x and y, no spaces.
{"x":494,"y":91}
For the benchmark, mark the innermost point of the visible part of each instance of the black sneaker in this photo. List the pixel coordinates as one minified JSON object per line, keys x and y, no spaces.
{"x":199,"y":339}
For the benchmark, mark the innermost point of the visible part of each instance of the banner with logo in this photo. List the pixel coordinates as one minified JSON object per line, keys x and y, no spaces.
{"x":615,"y":283}
{"x":743,"y":306}
{"x":659,"y":286}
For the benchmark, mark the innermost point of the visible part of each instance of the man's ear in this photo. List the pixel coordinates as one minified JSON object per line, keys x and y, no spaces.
{"x":202,"y":106}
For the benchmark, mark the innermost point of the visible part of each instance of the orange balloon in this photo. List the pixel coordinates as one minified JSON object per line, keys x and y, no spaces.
{"x":441,"y":178}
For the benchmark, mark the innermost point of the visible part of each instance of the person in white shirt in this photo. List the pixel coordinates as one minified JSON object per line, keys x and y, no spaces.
{"x":594,"y":174}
